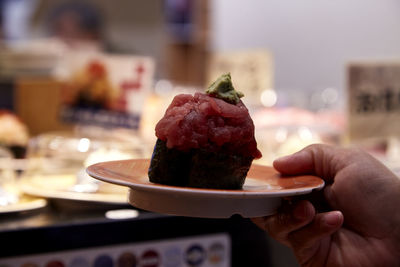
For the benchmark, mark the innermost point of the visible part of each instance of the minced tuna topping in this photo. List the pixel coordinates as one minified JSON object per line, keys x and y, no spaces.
{"x":201,"y":121}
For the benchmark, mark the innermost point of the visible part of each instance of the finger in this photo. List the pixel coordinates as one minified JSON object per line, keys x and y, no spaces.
{"x":330,"y":197}
{"x":318,"y":199}
{"x":317,"y":159}
{"x":279,"y":226}
{"x":305,"y":242}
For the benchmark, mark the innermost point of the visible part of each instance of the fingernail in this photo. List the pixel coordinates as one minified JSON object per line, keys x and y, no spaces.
{"x":332,"y":218}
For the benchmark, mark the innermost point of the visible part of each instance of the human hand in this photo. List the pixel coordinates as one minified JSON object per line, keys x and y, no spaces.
{"x":363,"y":226}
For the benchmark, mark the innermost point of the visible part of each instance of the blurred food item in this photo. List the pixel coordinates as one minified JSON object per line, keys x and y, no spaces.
{"x":58,"y":152}
{"x":122,"y":139}
{"x":85,"y":182}
{"x":8,"y":191}
{"x":108,"y":154}
{"x":90,"y":88}
{"x":69,"y":153}
{"x":14,"y":134}
{"x":284,"y":131}
{"x":66,"y":152}
{"x":270,"y":117}
{"x":57,"y":164}
{"x":280,"y":141}
{"x":12,"y":130}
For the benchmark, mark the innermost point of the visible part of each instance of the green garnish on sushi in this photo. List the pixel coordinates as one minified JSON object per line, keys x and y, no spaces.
{"x":223,"y":88}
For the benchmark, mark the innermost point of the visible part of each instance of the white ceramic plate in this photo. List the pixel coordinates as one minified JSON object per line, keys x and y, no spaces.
{"x":58,"y":187}
{"x":261,"y":195}
{"x":24,"y":204}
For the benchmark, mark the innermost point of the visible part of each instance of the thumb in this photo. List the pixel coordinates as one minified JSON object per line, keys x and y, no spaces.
{"x":317,"y":159}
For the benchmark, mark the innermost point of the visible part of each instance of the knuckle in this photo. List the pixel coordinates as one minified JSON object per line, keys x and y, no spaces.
{"x":271,"y":227}
{"x":282,"y":219}
{"x":277,"y":226}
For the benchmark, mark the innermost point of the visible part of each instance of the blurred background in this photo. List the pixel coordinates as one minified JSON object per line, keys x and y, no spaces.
{"x":86,"y":81}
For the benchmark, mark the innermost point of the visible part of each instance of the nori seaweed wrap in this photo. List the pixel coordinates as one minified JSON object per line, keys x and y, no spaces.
{"x":205,"y":140}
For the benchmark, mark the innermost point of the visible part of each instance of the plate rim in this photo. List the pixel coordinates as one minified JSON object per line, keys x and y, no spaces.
{"x":200,"y":191}
{"x":34,"y":204}
{"x":30,"y":189}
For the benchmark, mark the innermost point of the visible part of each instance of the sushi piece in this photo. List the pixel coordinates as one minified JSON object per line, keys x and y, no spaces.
{"x":205,"y":140}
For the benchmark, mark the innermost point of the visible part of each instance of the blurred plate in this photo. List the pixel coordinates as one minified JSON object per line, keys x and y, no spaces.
{"x":261,"y":194}
{"x":24,"y":204}
{"x":59,"y":187}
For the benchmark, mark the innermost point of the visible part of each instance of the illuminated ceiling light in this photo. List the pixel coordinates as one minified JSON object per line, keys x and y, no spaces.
{"x":83,"y":145}
{"x":163,"y":87}
{"x":329,"y":95}
{"x":281,"y":135}
{"x":305,"y":134}
{"x":269,"y":98}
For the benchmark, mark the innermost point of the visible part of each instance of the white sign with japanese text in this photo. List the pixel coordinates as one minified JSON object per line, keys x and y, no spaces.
{"x":374,"y":100}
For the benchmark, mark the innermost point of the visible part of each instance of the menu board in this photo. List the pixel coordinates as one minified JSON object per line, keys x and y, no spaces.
{"x":374,"y":100}
{"x":105,"y":90}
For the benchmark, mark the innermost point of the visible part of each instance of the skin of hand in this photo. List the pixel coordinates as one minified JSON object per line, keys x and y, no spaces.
{"x":362,"y":225}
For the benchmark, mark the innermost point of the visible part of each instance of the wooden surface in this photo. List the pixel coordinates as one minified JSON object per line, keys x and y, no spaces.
{"x":37,"y":103}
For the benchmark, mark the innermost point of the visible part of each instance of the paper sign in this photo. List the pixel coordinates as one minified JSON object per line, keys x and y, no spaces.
{"x":106,"y":90}
{"x":251,"y":71}
{"x":374,"y":100}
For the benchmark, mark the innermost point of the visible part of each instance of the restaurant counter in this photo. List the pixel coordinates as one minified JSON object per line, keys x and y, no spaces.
{"x":56,"y":236}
